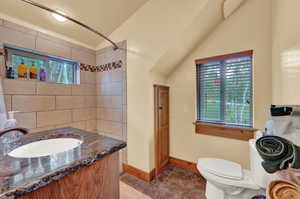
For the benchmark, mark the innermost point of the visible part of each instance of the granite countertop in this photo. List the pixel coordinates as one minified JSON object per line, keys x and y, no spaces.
{"x":19,"y":176}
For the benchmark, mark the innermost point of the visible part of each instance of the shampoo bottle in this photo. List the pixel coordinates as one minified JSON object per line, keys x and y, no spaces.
{"x":42,"y":74}
{"x":33,"y":72}
{"x":10,"y":73}
{"x":22,"y":70}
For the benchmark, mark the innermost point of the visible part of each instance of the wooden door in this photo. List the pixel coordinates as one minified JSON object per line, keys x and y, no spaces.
{"x":161,"y":111}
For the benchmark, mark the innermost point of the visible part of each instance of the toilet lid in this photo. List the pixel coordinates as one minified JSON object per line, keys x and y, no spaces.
{"x":222,"y":168}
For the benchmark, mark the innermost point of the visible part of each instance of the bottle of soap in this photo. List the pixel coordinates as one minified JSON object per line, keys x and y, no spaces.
{"x":33,"y":72}
{"x":10,"y":73}
{"x":42,"y":75}
{"x":22,"y":70}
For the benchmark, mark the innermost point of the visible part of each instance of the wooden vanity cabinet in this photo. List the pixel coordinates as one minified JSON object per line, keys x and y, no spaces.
{"x":100,"y":180}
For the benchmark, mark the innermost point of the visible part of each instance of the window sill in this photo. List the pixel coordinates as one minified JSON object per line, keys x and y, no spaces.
{"x":226,"y":131}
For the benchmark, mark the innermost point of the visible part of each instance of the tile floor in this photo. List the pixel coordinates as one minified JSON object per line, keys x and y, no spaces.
{"x":127,"y":192}
{"x":172,"y":183}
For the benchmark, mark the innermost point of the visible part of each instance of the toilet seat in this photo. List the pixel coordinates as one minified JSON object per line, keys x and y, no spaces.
{"x":226,"y":172}
{"x":222,"y":168}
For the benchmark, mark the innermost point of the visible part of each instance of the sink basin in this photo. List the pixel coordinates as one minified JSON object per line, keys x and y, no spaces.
{"x":45,"y":147}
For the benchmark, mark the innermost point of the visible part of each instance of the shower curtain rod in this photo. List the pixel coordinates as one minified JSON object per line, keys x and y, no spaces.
{"x":73,"y":20}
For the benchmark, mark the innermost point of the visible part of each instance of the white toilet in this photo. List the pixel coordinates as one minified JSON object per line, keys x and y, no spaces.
{"x":227,"y":180}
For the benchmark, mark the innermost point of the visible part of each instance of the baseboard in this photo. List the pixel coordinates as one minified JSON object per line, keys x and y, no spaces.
{"x":139,"y":173}
{"x":183,"y":164}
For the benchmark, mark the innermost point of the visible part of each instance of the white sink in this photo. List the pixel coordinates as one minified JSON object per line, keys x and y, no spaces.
{"x":45,"y":147}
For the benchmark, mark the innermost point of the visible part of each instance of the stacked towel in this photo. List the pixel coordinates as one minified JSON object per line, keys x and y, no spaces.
{"x":278,"y":153}
{"x":283,"y":189}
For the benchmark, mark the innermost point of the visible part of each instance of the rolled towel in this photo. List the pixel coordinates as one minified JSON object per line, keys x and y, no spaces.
{"x":278,"y":153}
{"x":283,"y":189}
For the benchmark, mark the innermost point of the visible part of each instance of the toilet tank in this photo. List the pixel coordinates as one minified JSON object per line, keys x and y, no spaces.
{"x":259,"y":175}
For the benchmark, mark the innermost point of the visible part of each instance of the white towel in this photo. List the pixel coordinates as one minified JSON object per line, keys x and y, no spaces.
{"x":295,"y":119}
{"x":287,"y":127}
{"x":281,"y":125}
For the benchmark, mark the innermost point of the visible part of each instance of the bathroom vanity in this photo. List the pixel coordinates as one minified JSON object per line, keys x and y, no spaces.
{"x":87,"y":171}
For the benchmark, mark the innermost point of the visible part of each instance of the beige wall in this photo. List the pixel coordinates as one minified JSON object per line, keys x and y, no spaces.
{"x":156,"y":38}
{"x":45,"y":105}
{"x":286,"y":52}
{"x":248,"y":28}
{"x":21,"y":36}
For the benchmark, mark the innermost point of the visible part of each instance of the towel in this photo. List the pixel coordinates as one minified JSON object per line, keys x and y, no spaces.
{"x":283,"y":189}
{"x":281,"y":125}
{"x":290,"y":174}
{"x":295,"y":119}
{"x":278,"y":153}
{"x":286,"y":126}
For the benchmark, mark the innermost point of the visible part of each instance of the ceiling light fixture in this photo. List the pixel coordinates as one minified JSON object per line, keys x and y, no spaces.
{"x":58,"y":17}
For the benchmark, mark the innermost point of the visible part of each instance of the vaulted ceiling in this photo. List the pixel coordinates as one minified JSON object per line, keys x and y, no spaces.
{"x":103,"y":15}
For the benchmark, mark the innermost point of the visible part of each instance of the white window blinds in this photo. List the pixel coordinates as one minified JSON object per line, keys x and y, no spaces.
{"x":224,"y":89}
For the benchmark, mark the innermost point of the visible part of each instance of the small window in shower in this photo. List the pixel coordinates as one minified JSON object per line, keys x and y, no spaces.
{"x":26,"y":64}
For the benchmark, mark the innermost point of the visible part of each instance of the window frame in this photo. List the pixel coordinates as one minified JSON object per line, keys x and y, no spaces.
{"x":222,"y":129}
{"x":12,"y":50}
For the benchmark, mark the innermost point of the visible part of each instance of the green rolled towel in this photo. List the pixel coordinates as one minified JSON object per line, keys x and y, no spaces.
{"x":278,"y":153}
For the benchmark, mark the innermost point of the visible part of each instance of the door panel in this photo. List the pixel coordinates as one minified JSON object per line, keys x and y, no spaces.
{"x":161,"y":126}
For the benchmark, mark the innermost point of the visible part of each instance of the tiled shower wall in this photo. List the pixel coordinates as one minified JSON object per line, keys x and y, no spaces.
{"x":111,"y":95}
{"x":44,"y":105}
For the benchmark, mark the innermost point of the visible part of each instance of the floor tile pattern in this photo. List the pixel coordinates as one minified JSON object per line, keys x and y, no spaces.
{"x":172,"y":183}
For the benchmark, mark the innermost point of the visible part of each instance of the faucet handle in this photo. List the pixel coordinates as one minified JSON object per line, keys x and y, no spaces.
{"x":22,"y":130}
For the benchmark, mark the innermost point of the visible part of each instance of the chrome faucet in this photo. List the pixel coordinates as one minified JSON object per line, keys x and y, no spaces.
{"x":5,"y":145}
{"x":22,"y":130}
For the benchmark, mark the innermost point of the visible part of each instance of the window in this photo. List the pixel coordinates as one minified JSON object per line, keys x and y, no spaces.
{"x":46,"y":67}
{"x":224,"y":90}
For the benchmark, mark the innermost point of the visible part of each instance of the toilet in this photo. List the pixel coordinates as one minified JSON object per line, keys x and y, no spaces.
{"x":227,"y":180}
